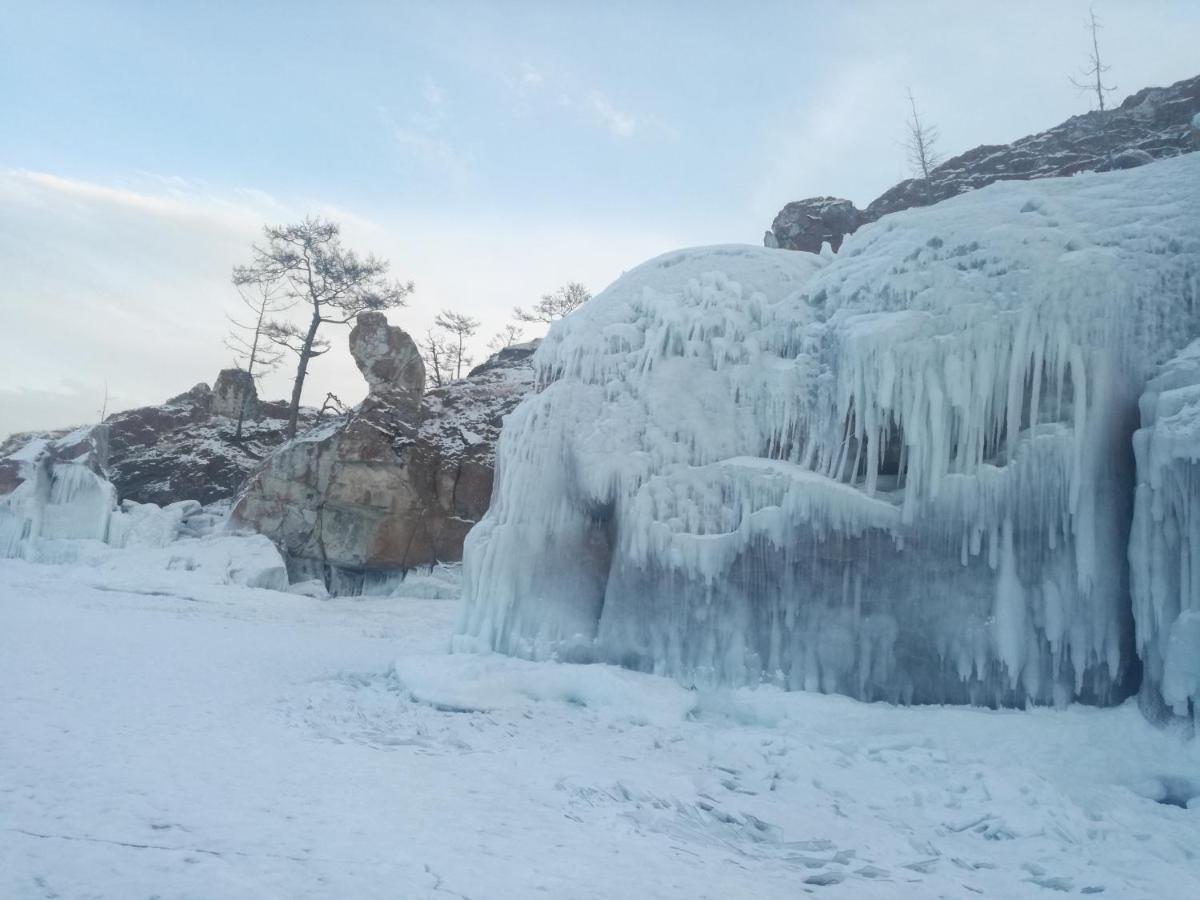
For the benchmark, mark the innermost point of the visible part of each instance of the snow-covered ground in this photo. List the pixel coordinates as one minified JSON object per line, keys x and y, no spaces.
{"x":163,"y":735}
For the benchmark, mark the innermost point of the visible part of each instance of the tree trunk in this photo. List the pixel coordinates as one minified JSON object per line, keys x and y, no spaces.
{"x":301,"y":371}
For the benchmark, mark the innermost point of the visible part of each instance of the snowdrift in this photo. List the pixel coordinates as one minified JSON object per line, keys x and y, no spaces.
{"x":905,"y":473}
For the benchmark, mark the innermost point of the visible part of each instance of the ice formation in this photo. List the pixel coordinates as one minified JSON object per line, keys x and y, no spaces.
{"x":1164,"y":552}
{"x":67,"y":513}
{"x":56,"y":501}
{"x":905,"y":473}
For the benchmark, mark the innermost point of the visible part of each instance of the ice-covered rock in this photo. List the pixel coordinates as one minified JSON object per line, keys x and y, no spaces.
{"x":905,"y":473}
{"x":1164,"y":551}
{"x":55,"y":501}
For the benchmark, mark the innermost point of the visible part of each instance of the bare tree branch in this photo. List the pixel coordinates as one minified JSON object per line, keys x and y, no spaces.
{"x":505,"y":337}
{"x":1094,"y":74}
{"x":460,"y":327}
{"x":562,"y":302}
{"x":920,"y":143}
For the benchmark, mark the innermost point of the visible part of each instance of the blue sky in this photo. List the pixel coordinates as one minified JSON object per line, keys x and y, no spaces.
{"x":491,"y":151}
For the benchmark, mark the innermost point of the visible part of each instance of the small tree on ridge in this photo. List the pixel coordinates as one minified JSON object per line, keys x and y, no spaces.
{"x":563,"y":301}
{"x":1093,"y":76}
{"x":920,"y":143}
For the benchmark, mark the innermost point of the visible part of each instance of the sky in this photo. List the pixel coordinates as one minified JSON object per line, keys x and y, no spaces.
{"x":490,"y":151}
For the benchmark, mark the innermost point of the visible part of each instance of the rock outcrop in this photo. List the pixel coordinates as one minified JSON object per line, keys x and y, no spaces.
{"x":183,"y":449}
{"x":187,"y":448}
{"x":1154,"y":123}
{"x":234,"y":395}
{"x":386,"y":356}
{"x":807,"y":224}
{"x":397,"y":482}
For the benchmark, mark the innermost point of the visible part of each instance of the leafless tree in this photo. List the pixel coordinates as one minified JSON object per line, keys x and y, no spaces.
{"x":311,"y":267}
{"x":333,"y":405}
{"x":921,"y":142}
{"x":253,"y":350}
{"x":1092,"y":78}
{"x":438,"y":353}
{"x":566,"y":299}
{"x":459,"y":327}
{"x":505,"y":337}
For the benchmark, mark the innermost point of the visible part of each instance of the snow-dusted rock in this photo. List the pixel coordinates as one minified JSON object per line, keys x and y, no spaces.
{"x":187,"y":449}
{"x":904,"y":473}
{"x":234,"y":395}
{"x":396,"y":483}
{"x":808,"y":224}
{"x":1154,"y":123}
{"x":183,"y":449}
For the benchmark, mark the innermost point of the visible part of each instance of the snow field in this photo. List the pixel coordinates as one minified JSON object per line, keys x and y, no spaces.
{"x":181,"y":738}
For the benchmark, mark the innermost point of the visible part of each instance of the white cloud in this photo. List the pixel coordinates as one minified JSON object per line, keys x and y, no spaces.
{"x":434,"y":153}
{"x":433,"y":94}
{"x":618,"y":122}
{"x":421,"y":139}
{"x":129,"y":286}
{"x":531,"y":77}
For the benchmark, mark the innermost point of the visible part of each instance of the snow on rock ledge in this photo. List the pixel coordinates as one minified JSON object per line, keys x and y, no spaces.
{"x":903,"y":474}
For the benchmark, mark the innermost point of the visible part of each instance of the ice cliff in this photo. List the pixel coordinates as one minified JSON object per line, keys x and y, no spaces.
{"x":905,"y":473}
{"x":1165,"y":546}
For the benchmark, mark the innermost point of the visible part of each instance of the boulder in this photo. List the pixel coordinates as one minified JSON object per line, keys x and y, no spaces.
{"x":234,"y":395}
{"x":386,"y":356}
{"x":807,"y":224}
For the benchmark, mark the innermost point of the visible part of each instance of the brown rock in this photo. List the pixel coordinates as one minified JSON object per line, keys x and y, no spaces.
{"x":386,"y":356}
{"x":395,"y":484}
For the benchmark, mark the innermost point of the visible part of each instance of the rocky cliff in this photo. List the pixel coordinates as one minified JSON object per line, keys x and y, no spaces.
{"x":397,"y":482}
{"x":1154,"y":123}
{"x":183,"y":449}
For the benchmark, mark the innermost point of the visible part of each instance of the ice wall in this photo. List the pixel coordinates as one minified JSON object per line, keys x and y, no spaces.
{"x":67,"y":503}
{"x":1164,"y":552}
{"x":904,"y":473}
{"x":57,"y":501}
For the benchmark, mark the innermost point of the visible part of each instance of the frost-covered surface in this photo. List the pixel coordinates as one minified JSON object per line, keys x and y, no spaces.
{"x":903,"y":474}
{"x":177,"y":738}
{"x":1165,"y":546}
